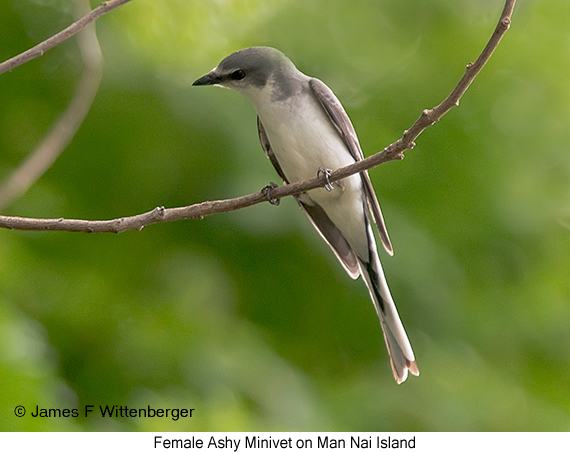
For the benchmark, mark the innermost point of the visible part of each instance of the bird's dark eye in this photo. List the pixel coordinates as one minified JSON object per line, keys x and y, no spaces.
{"x":238,"y":74}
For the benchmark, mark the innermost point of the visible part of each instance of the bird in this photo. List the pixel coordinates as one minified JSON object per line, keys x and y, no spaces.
{"x":305,"y":132}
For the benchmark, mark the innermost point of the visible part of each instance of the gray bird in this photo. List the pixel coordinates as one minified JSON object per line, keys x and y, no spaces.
{"x":305,"y":131}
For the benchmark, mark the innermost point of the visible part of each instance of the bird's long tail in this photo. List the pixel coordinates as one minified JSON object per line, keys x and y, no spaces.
{"x":401,"y":355}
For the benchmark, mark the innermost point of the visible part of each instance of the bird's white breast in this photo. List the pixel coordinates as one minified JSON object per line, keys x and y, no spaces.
{"x":302,"y":137}
{"x":303,"y":140}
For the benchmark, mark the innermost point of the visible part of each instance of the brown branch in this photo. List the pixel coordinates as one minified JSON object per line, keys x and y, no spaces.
{"x":392,"y":152}
{"x":63,"y":35}
{"x":41,"y":159}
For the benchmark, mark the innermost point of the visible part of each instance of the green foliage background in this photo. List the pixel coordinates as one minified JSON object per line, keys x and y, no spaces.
{"x":246,"y":316}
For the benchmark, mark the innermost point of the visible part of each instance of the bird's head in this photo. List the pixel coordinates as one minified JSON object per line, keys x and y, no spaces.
{"x":254,"y":71}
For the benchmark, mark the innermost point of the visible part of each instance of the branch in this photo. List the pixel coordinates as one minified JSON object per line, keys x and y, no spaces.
{"x":63,"y":35}
{"x":41,"y":159}
{"x":392,"y":152}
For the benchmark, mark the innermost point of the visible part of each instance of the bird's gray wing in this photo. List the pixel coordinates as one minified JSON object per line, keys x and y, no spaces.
{"x":344,"y":127}
{"x":317,"y":215}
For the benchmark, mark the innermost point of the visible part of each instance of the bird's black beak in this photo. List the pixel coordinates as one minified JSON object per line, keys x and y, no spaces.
{"x":208,"y":79}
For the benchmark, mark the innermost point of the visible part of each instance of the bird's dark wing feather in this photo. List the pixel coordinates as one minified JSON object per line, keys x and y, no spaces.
{"x":317,"y":215}
{"x":268,"y":151}
{"x":333,"y":237}
{"x":344,"y":127}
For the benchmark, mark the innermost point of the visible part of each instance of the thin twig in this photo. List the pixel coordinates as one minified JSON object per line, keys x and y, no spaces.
{"x":50,"y":43}
{"x":392,"y":152}
{"x":43,"y":157}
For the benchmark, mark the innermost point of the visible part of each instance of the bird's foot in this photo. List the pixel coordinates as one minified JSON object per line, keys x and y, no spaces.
{"x":267,"y":190}
{"x":326,"y":173}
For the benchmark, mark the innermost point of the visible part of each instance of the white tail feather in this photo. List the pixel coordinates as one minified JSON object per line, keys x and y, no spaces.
{"x":399,"y":348}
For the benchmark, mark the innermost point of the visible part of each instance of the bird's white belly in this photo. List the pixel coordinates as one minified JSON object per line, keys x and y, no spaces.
{"x":307,"y":141}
